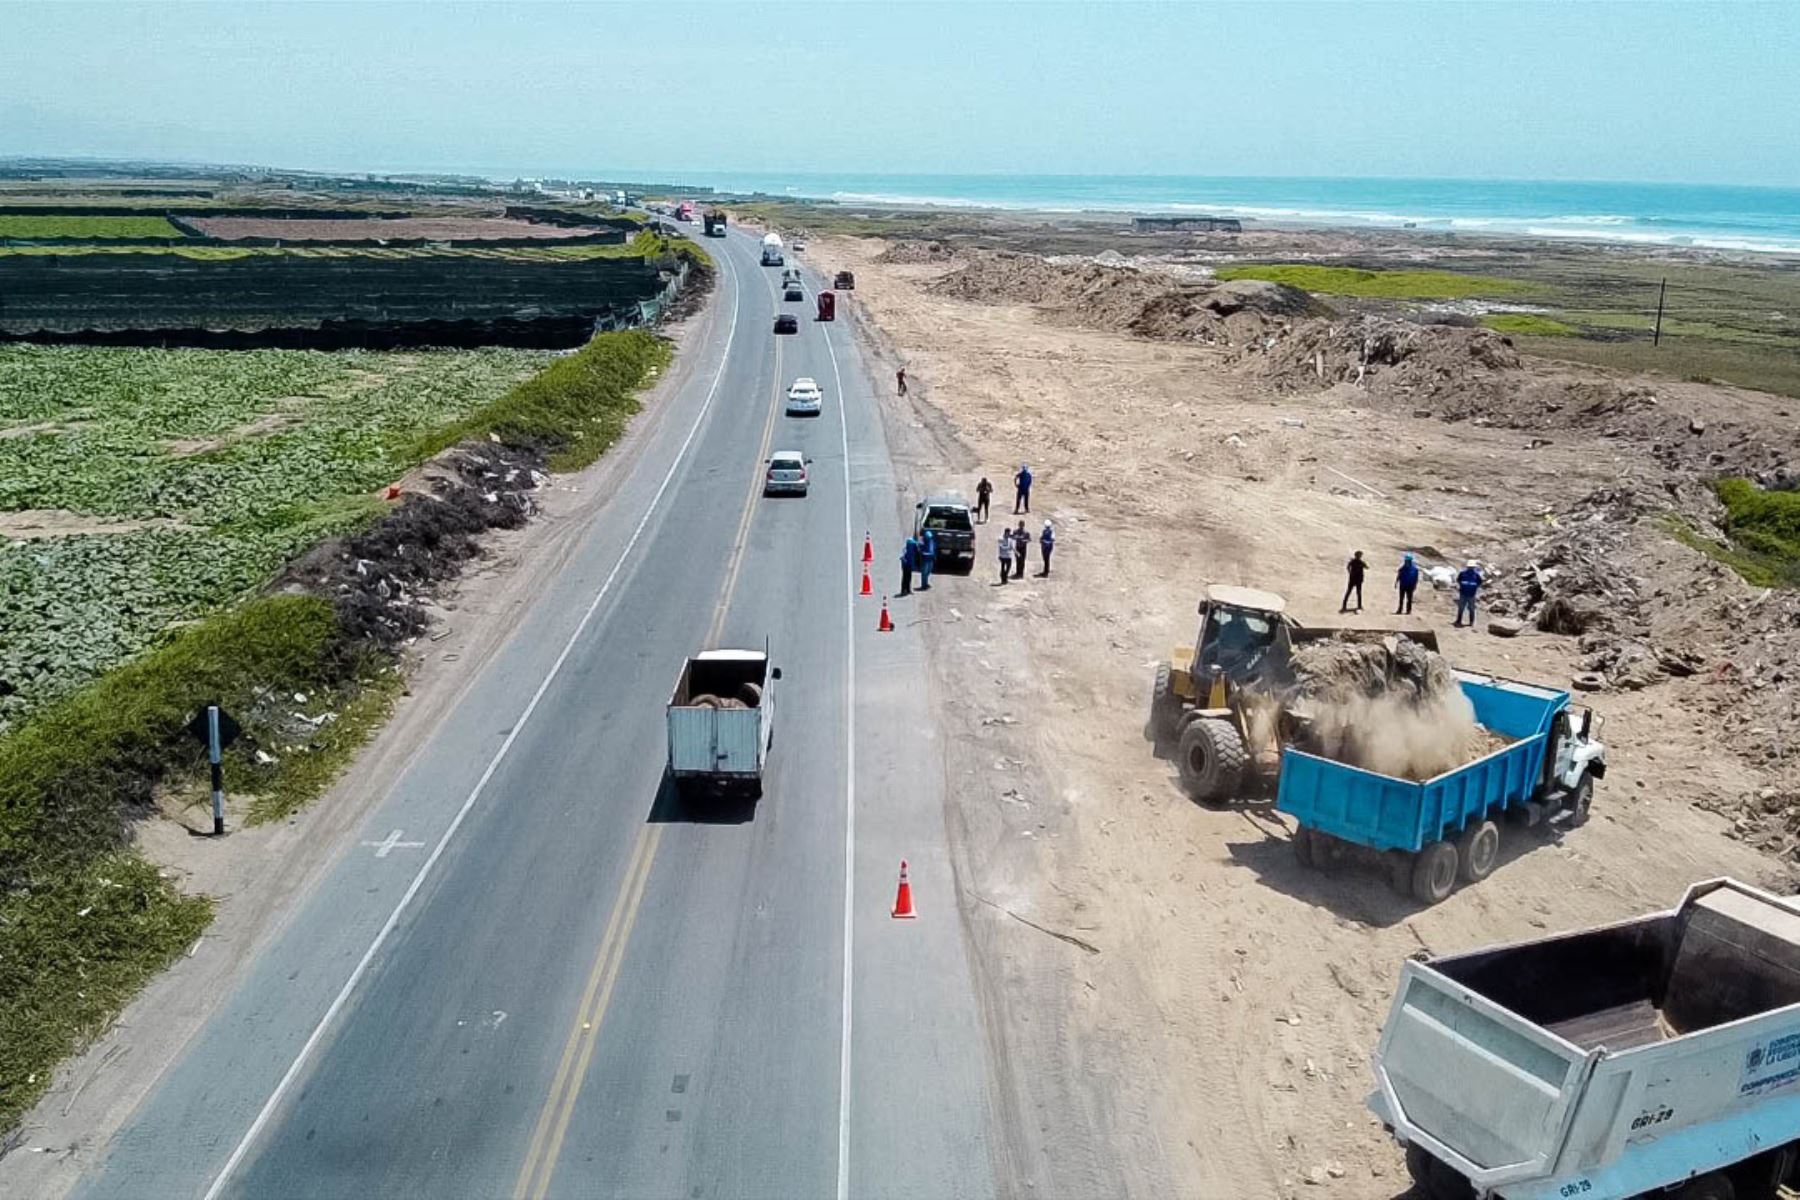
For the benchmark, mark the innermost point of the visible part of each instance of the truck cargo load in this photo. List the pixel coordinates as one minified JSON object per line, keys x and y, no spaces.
{"x":1610,"y":1062}
{"x":715,"y":223}
{"x":721,"y":719}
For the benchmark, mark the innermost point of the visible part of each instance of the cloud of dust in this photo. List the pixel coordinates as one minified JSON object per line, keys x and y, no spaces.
{"x":1390,"y":706}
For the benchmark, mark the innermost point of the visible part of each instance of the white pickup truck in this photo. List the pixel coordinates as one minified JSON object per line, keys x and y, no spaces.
{"x":722,"y":722}
{"x":1656,"y":1056}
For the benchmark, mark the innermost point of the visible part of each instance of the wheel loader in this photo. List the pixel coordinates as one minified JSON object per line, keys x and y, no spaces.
{"x":1222,"y":703}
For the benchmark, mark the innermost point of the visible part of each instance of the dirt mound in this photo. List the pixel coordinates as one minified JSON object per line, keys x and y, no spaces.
{"x":1462,"y":373}
{"x":911,"y":253}
{"x":1147,"y":303}
{"x":1390,"y":706}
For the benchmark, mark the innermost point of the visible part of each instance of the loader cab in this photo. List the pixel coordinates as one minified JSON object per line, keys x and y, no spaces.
{"x":1242,"y":632}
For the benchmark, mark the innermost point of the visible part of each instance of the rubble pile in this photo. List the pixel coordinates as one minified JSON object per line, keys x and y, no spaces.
{"x":378,"y":579}
{"x":906,"y":252}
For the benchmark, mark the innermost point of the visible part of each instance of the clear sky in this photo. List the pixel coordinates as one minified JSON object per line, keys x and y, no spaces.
{"x":1701,"y":92}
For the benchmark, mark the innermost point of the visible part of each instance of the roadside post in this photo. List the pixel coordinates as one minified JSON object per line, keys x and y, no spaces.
{"x":214,"y":728}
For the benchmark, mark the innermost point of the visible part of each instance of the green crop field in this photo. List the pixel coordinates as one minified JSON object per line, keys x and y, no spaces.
{"x":145,"y":487}
{"x":1386,"y":285}
{"x":83,"y":228}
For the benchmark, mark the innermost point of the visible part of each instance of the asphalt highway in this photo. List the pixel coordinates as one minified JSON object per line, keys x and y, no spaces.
{"x":540,"y":974}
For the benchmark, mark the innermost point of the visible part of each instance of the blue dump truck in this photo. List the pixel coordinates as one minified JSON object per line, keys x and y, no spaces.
{"x":1658,"y":1056}
{"x":1433,"y":832}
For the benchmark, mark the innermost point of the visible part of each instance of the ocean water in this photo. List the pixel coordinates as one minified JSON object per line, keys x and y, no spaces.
{"x":1719,"y":218}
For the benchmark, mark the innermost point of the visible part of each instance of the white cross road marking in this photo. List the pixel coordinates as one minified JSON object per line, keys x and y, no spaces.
{"x":391,"y":843}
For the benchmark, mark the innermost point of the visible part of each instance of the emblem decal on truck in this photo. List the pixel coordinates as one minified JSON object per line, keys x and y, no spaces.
{"x":1771,"y":1064}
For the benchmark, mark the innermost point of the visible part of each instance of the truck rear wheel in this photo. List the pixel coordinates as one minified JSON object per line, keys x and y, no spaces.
{"x":1212,"y":758}
{"x":1165,"y":705}
{"x":1399,"y":866}
{"x":1305,"y":852}
{"x":1477,"y":850}
{"x":1708,"y":1187}
{"x":1434,"y":873}
{"x":1433,"y":1179}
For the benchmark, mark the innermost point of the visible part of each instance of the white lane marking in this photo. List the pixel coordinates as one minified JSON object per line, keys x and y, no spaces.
{"x":843,"y":1154}
{"x":391,"y":843}
{"x":437,"y":852}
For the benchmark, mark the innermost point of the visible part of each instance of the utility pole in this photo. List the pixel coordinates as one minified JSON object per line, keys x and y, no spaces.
{"x":1661,"y":291}
{"x":214,"y":753}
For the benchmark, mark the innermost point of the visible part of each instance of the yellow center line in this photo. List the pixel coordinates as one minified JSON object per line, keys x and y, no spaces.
{"x":585,"y":1023}
{"x":743,"y":530}
{"x":578,"y":1052}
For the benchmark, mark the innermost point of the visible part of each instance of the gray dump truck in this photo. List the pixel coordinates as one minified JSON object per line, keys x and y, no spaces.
{"x":722,"y":722}
{"x":1657,"y":1056}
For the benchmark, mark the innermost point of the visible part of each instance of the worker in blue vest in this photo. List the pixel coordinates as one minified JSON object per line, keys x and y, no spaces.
{"x":909,"y":562}
{"x":927,"y":559}
{"x":1406,"y":582}
{"x":1468,"y":584}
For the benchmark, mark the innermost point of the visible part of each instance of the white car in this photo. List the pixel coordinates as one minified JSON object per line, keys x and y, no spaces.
{"x":805,"y":399}
{"x":787,"y":474}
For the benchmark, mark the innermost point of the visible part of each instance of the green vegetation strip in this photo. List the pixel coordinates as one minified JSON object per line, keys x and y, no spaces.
{"x":1382,"y":285}
{"x":86,"y":228}
{"x":84,"y":920}
{"x":575,"y":408}
{"x":1528,"y":325}
{"x":1765,"y":526}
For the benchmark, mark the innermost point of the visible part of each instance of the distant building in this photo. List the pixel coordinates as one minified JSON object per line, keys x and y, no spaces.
{"x":1187,"y":225}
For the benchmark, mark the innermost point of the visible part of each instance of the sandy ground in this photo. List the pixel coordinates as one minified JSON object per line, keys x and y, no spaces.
{"x":1213,"y":1036}
{"x":269,"y":868}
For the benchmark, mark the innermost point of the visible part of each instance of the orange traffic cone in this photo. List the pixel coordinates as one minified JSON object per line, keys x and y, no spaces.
{"x":887,"y":622}
{"x":868,"y":589}
{"x":903,"y":905}
{"x":868,"y":549}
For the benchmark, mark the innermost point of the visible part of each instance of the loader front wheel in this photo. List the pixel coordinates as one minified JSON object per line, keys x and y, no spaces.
{"x":1212,"y":757}
{"x":1434,"y":873}
{"x":1165,"y":705}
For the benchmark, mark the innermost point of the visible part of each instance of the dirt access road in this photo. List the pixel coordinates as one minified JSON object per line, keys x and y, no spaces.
{"x":1207,"y":1011}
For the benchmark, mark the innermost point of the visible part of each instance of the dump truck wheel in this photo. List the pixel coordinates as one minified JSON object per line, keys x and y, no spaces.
{"x":1434,"y":873}
{"x":1477,"y":850}
{"x":1399,"y":866}
{"x":1433,"y":1179}
{"x":1305,"y":853}
{"x":1708,"y":1187}
{"x":1212,"y":758}
{"x":1165,"y":705}
{"x":1581,"y":802}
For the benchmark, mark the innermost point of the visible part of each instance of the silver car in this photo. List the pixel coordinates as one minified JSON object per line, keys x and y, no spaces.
{"x":787,"y":474}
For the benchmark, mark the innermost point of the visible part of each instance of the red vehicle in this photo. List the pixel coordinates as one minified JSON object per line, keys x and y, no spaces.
{"x":827,"y":306}
{"x":684,"y":211}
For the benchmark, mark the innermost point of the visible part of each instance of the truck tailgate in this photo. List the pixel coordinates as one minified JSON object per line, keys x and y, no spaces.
{"x":715,"y":741}
{"x":1481,"y":1088}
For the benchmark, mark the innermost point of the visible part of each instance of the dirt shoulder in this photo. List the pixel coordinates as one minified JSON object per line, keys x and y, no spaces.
{"x":270,"y":869}
{"x":1208,"y":1031}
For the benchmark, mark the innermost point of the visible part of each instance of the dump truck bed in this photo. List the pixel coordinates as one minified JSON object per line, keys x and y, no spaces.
{"x":1610,"y":1061}
{"x":720,"y":716}
{"x":1385,"y":812}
